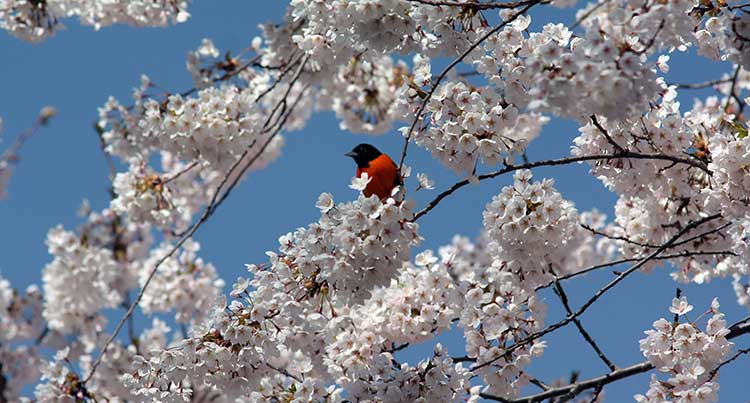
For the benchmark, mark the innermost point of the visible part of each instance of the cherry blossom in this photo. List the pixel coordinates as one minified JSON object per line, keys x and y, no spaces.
{"x":688,"y":355}
{"x":325,"y":315}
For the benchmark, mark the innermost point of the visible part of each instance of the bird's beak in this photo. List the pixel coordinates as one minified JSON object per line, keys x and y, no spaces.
{"x":351,"y":154}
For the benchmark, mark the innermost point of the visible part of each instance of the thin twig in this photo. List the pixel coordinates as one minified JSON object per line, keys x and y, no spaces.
{"x":713,"y":373}
{"x":602,"y":380}
{"x":560,"y":161}
{"x":617,"y":237}
{"x":698,"y":86}
{"x":588,"y":14}
{"x":586,"y":336}
{"x":207,"y":213}
{"x":635,"y":259}
{"x":180,"y":173}
{"x":530,"y":338}
{"x":284,"y":372}
{"x":474,"y":5}
{"x":11,"y":153}
{"x":604,"y":131}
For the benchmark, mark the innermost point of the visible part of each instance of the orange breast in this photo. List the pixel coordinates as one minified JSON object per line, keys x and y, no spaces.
{"x":384,"y":174}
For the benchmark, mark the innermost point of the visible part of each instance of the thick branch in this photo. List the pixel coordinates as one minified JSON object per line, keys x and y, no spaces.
{"x":600,"y":381}
{"x":3,"y":385}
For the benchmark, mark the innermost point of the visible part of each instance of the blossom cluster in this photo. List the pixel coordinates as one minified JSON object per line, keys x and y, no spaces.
{"x":472,"y":124}
{"x":325,"y":318}
{"x":690,"y":356}
{"x":20,"y":319}
{"x":168,"y":200}
{"x":534,"y":230}
{"x":35,"y":20}
{"x":184,"y":284}
{"x":216,"y":126}
{"x":703,"y":174}
{"x":498,"y":312}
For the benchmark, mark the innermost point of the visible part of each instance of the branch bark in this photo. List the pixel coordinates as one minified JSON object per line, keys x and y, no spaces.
{"x":560,"y":161}
{"x":600,"y":381}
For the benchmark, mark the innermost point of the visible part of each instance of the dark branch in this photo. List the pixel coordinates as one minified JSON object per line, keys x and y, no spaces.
{"x":586,"y":336}
{"x":474,"y":5}
{"x":600,"y":292}
{"x":600,"y":381}
{"x":561,"y":161}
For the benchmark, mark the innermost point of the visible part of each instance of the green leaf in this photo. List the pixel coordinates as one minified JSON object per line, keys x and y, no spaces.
{"x":740,"y":128}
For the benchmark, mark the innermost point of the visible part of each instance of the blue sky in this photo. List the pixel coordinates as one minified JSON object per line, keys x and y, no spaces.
{"x":79,"y":68}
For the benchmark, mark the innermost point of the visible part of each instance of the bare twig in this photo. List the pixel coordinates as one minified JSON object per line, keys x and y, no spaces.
{"x":635,"y":259}
{"x":560,"y":161}
{"x":474,"y":5}
{"x":180,"y":173}
{"x":697,"y":86}
{"x":606,"y":379}
{"x":235,"y":173}
{"x":11,"y":153}
{"x":736,"y":355}
{"x":617,"y":237}
{"x":530,"y":338}
{"x":586,"y":336}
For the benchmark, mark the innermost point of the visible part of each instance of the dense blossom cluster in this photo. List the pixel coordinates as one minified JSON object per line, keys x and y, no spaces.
{"x":473,"y":124}
{"x":657,"y":197}
{"x":687,"y":354}
{"x":216,"y":126}
{"x":184,"y":284}
{"x":20,"y":319}
{"x":534,"y":230}
{"x":164,"y":200}
{"x":35,"y":20}
{"x":497,"y":311}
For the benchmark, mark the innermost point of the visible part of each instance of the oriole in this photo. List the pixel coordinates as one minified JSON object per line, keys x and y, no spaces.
{"x":380,"y":167}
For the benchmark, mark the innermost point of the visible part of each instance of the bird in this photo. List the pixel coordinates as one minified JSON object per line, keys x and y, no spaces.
{"x":378,"y":166}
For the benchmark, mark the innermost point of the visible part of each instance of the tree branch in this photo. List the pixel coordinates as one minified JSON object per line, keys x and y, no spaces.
{"x":697,"y":86}
{"x":560,"y":161}
{"x":474,"y":5}
{"x":586,"y":336}
{"x":207,"y":213}
{"x":635,"y":259}
{"x":599,"y":293}
{"x":604,"y":131}
{"x":600,"y":381}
